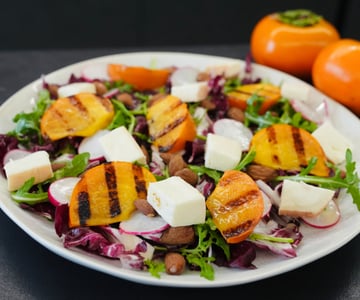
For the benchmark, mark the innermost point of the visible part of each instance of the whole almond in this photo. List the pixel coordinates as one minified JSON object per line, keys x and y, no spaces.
{"x":176,"y":163}
{"x":261,"y":172}
{"x":145,"y":207}
{"x":175,"y":263}
{"x":179,"y":235}
{"x":236,"y":114}
{"x":188,"y":175}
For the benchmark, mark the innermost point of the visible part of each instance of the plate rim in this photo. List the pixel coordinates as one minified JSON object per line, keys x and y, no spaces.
{"x":81,"y":258}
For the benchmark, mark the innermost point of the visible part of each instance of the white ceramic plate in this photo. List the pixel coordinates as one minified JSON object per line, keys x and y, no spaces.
{"x":316,"y":243}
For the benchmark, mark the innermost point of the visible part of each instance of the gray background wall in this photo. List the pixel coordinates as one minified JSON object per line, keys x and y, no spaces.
{"x":39,"y":24}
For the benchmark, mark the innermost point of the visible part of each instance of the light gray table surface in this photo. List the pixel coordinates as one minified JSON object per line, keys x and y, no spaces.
{"x":30,"y":271}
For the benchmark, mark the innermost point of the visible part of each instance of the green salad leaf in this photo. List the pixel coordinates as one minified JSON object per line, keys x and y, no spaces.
{"x":27,"y":125}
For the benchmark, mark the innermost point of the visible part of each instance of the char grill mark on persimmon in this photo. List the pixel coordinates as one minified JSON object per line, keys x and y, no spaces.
{"x":235,"y":231}
{"x":271,"y":135}
{"x":299,"y":146}
{"x":84,"y":207}
{"x":244,"y":198}
{"x":110,"y":179}
{"x":140,"y":184}
{"x":169,"y":127}
{"x":76,"y":103}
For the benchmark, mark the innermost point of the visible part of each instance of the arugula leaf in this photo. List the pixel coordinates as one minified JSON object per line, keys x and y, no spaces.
{"x":27,"y":128}
{"x":201,"y":170}
{"x":231,"y":84}
{"x":266,"y":237}
{"x":350,"y":182}
{"x":247,"y":159}
{"x":120,"y":85}
{"x":122,"y":117}
{"x":126,"y":117}
{"x":207,"y":235}
{"x":74,"y":167}
{"x":282,"y":112}
{"x":24,"y":195}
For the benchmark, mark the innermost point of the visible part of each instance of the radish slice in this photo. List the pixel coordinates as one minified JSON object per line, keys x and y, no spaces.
{"x":95,"y":71}
{"x":92,"y":145}
{"x":234,"y":130}
{"x":60,"y":190}
{"x":14,"y":155}
{"x":183,"y":76}
{"x":316,"y":113}
{"x":328,"y":217}
{"x":141,"y":224}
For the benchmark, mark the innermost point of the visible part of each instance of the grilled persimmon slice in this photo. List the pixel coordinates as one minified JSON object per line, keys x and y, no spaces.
{"x":282,"y":146}
{"x":140,"y":78}
{"x":79,"y":115}
{"x":270,"y":93}
{"x":236,"y":205}
{"x":170,"y":124}
{"x":105,"y":194}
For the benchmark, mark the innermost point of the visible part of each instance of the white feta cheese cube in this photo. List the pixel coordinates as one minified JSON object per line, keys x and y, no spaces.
{"x":191,"y":92}
{"x":76,"y":88}
{"x":222,"y":153}
{"x":119,"y":145}
{"x":36,"y":164}
{"x":300,"y":199}
{"x":177,"y":202}
{"x":332,"y":141}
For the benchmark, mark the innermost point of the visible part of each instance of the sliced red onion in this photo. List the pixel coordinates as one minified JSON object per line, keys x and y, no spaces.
{"x":111,"y":93}
{"x":267,"y":204}
{"x":268,"y":191}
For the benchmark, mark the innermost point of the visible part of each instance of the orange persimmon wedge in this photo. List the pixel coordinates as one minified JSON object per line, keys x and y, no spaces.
{"x":170,"y":124}
{"x":79,"y":115}
{"x":286,"y":147}
{"x":238,"y":97}
{"x":140,"y":78}
{"x":236,"y":205}
{"x":105,"y":194}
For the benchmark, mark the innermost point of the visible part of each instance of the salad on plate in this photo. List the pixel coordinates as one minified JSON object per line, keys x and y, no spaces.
{"x":175,"y":169}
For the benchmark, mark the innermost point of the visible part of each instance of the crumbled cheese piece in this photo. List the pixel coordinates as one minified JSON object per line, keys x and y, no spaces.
{"x":191,"y":92}
{"x":36,"y":164}
{"x":332,"y":141}
{"x":177,"y":202}
{"x":119,"y":145}
{"x":300,"y":199}
{"x":221,"y":153}
{"x":76,"y":88}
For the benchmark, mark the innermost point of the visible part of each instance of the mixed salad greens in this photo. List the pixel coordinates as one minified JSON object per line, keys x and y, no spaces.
{"x":144,"y":249}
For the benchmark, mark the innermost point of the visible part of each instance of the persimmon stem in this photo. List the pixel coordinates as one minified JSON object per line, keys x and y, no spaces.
{"x":299,"y":17}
